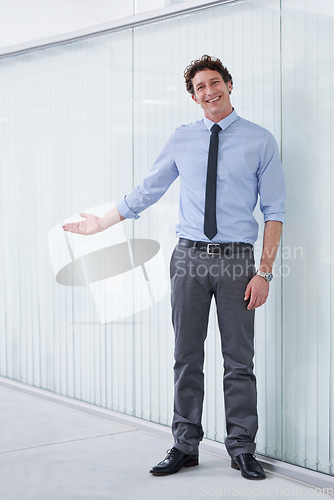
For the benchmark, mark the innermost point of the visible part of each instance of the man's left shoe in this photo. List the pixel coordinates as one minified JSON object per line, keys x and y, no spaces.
{"x":248,"y":466}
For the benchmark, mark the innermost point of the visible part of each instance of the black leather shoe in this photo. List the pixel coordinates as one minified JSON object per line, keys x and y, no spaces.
{"x":173,"y":462}
{"x":249,"y":467}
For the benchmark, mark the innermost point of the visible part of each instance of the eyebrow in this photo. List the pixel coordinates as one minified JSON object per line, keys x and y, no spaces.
{"x":211,"y":80}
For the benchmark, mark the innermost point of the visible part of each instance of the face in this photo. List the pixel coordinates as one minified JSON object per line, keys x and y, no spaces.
{"x":212,"y":94}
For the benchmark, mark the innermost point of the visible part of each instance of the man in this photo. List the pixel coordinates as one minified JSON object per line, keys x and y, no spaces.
{"x":224,"y":163}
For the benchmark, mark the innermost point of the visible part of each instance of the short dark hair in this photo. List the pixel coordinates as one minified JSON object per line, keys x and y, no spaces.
{"x":205,"y":62}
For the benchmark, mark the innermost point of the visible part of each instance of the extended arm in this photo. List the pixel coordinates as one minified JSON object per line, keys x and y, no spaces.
{"x":151,"y":189}
{"x":258,"y":288}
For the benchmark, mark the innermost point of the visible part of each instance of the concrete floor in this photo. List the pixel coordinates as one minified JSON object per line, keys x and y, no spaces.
{"x":49,"y":451}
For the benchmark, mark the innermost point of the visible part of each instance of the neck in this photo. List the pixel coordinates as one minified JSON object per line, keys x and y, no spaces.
{"x":218,"y":118}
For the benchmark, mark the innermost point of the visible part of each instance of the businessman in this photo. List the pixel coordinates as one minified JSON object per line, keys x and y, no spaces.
{"x":225,"y":163}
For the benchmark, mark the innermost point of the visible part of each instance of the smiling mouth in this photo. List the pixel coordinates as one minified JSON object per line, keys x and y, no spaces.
{"x":215,"y":99}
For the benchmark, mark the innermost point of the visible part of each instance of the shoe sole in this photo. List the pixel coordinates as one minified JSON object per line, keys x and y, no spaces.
{"x":236,"y":467}
{"x":193,"y":463}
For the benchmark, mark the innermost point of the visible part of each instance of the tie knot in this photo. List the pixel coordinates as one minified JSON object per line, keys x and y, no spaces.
{"x":215,"y":128}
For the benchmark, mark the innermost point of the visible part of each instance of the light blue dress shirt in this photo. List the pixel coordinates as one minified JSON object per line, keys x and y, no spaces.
{"x":249,"y":166}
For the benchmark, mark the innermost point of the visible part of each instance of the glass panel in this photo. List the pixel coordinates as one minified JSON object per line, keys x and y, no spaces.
{"x":66,"y":146}
{"x":308,"y":114}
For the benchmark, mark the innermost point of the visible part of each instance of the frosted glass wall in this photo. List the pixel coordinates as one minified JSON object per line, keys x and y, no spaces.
{"x":62,"y":150}
{"x":308,"y":298}
{"x":80,"y":125}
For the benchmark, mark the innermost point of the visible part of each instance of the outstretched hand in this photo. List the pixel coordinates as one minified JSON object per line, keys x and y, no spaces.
{"x":257,"y":290}
{"x":90,"y":225}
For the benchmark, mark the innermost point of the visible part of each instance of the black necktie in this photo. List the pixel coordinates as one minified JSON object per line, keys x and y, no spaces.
{"x":210,"y":219}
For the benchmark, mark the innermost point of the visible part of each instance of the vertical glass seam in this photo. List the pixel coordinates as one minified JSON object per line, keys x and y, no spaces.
{"x":133,"y":228}
{"x":282,"y":238}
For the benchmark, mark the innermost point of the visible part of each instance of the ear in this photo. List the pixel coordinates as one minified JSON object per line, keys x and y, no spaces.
{"x":229,"y":86}
{"x":194,"y":98}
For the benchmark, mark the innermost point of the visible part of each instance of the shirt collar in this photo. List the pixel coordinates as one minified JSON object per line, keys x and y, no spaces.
{"x":224,"y":123}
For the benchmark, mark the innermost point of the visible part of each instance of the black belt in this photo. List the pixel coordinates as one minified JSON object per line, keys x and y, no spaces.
{"x":215,"y":248}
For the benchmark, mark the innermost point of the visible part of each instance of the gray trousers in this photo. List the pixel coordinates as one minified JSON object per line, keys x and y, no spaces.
{"x":195,"y":278}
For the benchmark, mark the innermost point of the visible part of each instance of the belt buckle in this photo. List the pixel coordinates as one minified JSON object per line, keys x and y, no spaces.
{"x":208,"y":248}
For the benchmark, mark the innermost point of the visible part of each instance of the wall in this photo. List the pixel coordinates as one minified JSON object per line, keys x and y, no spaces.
{"x":80,"y":124}
{"x":307,"y":124}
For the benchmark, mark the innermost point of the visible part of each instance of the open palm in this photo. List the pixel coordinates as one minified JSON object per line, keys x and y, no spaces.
{"x":90,"y":225}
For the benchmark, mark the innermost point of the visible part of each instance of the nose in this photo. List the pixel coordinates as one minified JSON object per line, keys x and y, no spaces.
{"x":210,"y":90}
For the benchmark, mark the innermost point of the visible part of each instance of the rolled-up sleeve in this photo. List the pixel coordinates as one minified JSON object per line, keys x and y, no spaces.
{"x":271,"y":185}
{"x":125,"y":210}
{"x":162,"y":174}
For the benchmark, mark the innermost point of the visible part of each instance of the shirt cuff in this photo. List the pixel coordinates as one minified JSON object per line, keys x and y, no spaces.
{"x":125,"y":210}
{"x":279,"y":216}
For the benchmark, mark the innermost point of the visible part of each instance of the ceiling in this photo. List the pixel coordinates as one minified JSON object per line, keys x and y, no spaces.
{"x":22,"y":21}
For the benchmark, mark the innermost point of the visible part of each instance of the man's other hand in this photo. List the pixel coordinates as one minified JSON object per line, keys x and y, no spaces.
{"x":257,"y":291}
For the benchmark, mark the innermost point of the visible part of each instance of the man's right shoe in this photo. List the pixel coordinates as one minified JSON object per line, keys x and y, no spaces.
{"x":173,"y":462}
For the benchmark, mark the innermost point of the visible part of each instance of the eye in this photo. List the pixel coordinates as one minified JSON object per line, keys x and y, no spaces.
{"x":199,"y":88}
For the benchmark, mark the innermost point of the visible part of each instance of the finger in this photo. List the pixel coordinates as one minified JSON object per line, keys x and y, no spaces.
{"x":82,"y":214}
{"x":247,"y":292}
{"x":260,"y":301}
{"x":70,"y":224}
{"x":254,"y":305}
{"x":254,"y":300}
{"x":251,"y":303}
{"x":72,"y":228}
{"x":68,"y":227}
{"x":257,"y":303}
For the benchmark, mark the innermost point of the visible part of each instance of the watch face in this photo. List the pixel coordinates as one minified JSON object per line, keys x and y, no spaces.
{"x":269,"y":276}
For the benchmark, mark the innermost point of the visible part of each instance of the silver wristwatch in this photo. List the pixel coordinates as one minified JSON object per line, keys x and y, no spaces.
{"x":267,"y":276}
